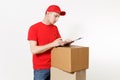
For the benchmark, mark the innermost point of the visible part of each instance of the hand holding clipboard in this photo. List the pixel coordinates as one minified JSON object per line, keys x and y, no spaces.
{"x":69,"y":42}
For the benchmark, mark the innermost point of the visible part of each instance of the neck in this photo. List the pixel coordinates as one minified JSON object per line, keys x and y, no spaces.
{"x":46,"y":21}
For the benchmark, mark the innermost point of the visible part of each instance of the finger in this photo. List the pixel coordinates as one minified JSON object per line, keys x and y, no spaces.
{"x":59,"y":38}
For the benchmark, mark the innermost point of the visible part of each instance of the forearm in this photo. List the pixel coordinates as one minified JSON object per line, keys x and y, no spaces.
{"x":35,"y":49}
{"x":41,"y":49}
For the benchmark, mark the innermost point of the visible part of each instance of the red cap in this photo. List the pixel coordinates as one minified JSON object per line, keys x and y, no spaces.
{"x":55,"y":8}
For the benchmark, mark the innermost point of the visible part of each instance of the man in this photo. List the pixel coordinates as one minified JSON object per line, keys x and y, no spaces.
{"x":43,"y":36}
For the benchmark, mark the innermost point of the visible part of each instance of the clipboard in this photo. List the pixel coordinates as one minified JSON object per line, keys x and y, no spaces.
{"x":68,"y":43}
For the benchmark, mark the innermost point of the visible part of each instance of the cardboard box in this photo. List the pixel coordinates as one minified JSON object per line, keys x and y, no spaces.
{"x":57,"y":74}
{"x":70,"y":59}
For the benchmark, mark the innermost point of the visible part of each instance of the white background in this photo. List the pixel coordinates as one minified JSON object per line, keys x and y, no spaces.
{"x":97,"y":21}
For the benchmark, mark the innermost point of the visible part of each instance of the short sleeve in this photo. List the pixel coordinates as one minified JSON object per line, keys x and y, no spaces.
{"x":58,"y":34}
{"x":32,"y":33}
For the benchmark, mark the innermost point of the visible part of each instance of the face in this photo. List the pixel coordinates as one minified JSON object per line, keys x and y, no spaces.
{"x":53,"y":17}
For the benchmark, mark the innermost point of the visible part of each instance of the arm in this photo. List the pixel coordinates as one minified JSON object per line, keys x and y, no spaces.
{"x":35,"y":49}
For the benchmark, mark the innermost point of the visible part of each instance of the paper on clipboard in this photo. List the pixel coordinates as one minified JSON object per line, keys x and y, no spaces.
{"x":68,"y":43}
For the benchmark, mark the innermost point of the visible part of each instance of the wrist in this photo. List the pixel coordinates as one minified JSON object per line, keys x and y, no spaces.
{"x":51,"y":45}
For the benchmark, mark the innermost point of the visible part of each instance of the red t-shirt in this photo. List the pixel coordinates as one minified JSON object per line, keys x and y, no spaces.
{"x":43,"y":34}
